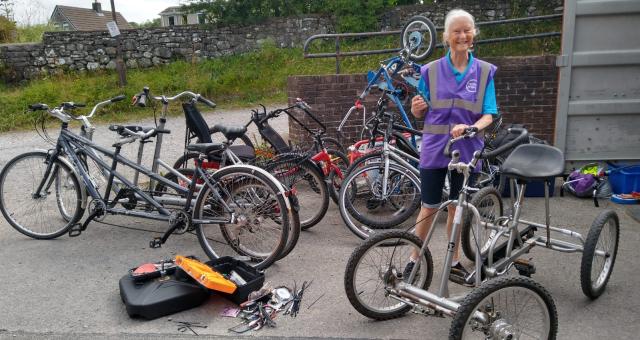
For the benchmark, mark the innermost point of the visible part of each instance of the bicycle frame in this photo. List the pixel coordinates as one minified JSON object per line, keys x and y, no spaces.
{"x":67,"y":145}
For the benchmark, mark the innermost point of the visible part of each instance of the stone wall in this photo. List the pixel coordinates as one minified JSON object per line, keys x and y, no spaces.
{"x":79,"y":51}
{"x":526,"y":91}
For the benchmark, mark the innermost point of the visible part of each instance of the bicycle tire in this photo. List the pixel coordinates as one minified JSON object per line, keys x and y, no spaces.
{"x":590,"y":288}
{"x":308,"y":181}
{"x":334,"y":182}
{"x":294,"y":231}
{"x":485,"y":197}
{"x":386,"y":241}
{"x":372,"y":224}
{"x":422,"y":23}
{"x":228,"y":182}
{"x":37,"y":169}
{"x":482,"y":298}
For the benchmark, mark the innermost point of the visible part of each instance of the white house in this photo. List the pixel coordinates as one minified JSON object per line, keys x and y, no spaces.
{"x":174,"y":16}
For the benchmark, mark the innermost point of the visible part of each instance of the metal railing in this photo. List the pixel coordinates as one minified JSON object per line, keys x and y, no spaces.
{"x":340,"y":36}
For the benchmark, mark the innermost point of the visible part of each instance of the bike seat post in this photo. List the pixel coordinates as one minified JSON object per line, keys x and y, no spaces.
{"x":547,"y":212}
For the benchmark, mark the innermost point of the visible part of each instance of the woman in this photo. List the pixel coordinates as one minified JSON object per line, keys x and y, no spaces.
{"x":460,"y":91}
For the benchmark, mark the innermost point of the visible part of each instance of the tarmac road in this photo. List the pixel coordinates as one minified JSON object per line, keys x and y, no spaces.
{"x":68,"y":287}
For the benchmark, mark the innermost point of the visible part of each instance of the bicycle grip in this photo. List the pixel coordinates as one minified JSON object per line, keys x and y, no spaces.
{"x":38,"y":106}
{"x":117,"y":98}
{"x":207,"y":102}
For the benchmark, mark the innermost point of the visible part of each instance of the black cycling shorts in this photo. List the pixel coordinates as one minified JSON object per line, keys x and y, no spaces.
{"x":432,"y":183}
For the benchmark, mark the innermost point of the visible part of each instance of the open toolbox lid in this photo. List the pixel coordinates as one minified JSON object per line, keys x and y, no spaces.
{"x":205,"y":275}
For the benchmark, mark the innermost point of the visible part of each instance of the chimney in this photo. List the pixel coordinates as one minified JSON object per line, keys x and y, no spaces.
{"x":97,"y":7}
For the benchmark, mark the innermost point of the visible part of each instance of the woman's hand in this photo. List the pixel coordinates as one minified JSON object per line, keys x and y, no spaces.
{"x":418,"y":106}
{"x":458,"y":130}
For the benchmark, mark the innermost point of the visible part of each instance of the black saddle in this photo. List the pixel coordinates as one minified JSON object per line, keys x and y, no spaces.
{"x":534,"y":162}
{"x":229,"y":132}
{"x":133,"y":128}
{"x":205,"y":148}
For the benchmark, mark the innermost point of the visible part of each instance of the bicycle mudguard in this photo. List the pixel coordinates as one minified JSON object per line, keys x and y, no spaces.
{"x":281,"y":189}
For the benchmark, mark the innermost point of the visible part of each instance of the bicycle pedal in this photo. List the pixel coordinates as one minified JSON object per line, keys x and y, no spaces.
{"x":155,"y":243}
{"x":524,"y":267}
{"x":76,"y":230}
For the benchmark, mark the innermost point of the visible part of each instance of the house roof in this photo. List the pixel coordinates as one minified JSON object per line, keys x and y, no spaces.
{"x":171,"y":10}
{"x":86,"y":19}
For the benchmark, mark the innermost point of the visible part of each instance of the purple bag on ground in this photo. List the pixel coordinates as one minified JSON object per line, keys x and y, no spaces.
{"x":582,"y":185}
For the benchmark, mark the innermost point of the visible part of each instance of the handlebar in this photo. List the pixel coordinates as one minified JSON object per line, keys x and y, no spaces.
{"x":141,"y":98}
{"x":524,"y":135}
{"x":468,"y":133}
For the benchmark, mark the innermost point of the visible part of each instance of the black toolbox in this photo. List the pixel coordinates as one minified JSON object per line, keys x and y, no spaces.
{"x":253,"y":278}
{"x":161,"y":296}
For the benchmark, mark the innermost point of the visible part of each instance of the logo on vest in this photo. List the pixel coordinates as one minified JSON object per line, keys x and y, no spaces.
{"x":472,"y":86}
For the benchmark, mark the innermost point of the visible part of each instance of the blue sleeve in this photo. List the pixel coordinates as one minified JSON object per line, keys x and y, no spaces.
{"x":489,"y":105}
{"x":423,"y":90}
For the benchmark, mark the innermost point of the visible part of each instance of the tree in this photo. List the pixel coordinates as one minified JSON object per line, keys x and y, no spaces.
{"x":147,"y":24}
{"x":6,"y":9}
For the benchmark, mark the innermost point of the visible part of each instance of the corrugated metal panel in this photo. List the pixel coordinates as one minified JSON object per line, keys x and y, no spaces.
{"x":598,"y":111}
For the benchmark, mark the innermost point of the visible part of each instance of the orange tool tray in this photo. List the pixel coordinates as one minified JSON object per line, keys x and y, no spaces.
{"x":205,"y":275}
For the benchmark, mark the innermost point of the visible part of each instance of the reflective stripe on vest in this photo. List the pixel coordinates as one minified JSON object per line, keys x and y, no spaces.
{"x":437,"y":103}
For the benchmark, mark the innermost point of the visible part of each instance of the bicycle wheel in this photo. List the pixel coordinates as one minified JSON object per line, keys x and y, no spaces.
{"x":260,"y":224}
{"x":489,"y":204}
{"x":361,"y":197}
{"x":58,"y":206}
{"x":421,"y":31}
{"x":599,"y":254}
{"x":300,"y":174}
{"x":374,"y":268}
{"x":342,"y":162}
{"x":515,"y":307}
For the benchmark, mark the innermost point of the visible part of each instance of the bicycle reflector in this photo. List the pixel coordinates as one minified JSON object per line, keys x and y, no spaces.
{"x":358,"y":104}
{"x":205,"y":275}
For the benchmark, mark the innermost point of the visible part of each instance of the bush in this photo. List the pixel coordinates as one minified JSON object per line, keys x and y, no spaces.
{"x":7,"y":30}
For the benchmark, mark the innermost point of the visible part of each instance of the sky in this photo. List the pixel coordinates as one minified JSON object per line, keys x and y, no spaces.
{"x":38,"y":11}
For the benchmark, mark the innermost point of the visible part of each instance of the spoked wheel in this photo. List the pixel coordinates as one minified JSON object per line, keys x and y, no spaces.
{"x":365,"y":207}
{"x":260,"y":225}
{"x":419,"y":31}
{"x":299,"y":173}
{"x":512,"y":308}
{"x":49,"y":213}
{"x":489,"y":204}
{"x":599,"y":255}
{"x":376,"y":265}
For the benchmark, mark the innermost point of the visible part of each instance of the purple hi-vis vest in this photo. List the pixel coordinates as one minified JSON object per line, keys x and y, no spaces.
{"x":452,"y":103}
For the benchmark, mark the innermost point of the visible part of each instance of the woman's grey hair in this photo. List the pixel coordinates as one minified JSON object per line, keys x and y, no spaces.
{"x":451,"y":16}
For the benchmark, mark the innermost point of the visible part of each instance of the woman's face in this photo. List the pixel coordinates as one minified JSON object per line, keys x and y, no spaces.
{"x":461,"y":33}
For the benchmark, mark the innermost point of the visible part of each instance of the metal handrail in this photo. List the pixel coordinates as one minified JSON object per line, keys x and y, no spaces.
{"x":338,"y":36}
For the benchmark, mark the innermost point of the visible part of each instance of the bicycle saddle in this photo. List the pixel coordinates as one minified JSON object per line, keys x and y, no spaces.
{"x":534,"y":161}
{"x":205,"y":148}
{"x":134,"y":128}
{"x":230,"y":132}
